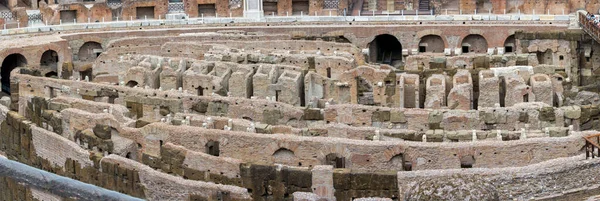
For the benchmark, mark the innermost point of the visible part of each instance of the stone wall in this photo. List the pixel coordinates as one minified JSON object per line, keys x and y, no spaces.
{"x":24,"y":142}
{"x":547,"y":180}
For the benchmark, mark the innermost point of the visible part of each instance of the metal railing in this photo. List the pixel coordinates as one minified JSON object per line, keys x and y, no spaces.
{"x":315,"y":17}
{"x":589,"y":26}
{"x":592,"y":145}
{"x":6,"y":15}
{"x":55,"y":184}
{"x":176,"y":7}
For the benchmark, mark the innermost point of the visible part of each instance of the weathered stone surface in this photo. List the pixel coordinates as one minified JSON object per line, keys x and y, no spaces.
{"x":572,"y":112}
{"x":453,"y":188}
{"x":102,"y":131}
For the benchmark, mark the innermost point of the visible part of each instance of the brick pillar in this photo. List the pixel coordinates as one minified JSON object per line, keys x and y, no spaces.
{"x":322,"y":182}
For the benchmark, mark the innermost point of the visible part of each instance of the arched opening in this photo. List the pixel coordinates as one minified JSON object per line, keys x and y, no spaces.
{"x":284,"y":156}
{"x":385,"y":49}
{"x":89,"y":51}
{"x":132,"y":83}
{"x":49,"y":59}
{"x":467,"y":161}
{"x":510,"y":44}
{"x":431,"y":43}
{"x":399,"y":163}
{"x":545,"y":57}
{"x":365,"y":92}
{"x":51,"y":74}
{"x":212,"y":148}
{"x":335,"y":160}
{"x":10,"y":62}
{"x":474,"y":43}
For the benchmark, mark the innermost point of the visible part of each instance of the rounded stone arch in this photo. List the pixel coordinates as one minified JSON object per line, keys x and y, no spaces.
{"x":396,"y":157}
{"x":9,"y":63}
{"x":332,"y":151}
{"x":49,"y":60}
{"x":386,"y":49}
{"x":54,"y":47}
{"x":212,"y":147}
{"x":432,"y":43}
{"x":474,"y":43}
{"x":510,"y":44}
{"x":60,"y":52}
{"x":89,"y":51}
{"x":285,"y":156}
{"x":336,"y":160}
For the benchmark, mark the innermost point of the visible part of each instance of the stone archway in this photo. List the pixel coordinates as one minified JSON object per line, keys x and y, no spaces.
{"x":385,"y":49}
{"x":10,"y":62}
{"x":212,"y":148}
{"x":284,"y":156}
{"x":49,"y":59}
{"x":510,"y":44}
{"x":474,"y":43}
{"x":335,"y":160}
{"x":431,"y":43}
{"x":89,"y":51}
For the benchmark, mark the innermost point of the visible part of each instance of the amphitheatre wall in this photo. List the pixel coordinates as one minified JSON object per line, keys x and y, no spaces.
{"x":273,"y":113}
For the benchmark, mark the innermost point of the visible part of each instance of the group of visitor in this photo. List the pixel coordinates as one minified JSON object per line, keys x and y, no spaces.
{"x":594,"y":18}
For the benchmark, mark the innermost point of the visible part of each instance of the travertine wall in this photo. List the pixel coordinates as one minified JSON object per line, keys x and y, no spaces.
{"x":546,"y":180}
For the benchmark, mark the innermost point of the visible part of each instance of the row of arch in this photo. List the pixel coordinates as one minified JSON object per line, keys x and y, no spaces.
{"x":387,"y":49}
{"x":287,"y":157}
{"x":88,"y":52}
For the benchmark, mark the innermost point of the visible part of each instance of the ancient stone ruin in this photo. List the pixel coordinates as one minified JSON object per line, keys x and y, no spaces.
{"x":300,"y":100}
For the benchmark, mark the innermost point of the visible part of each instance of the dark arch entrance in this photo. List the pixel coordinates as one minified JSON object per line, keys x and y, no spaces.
{"x":335,"y":160}
{"x":10,"y":62}
{"x":385,"y":49}
{"x":212,"y":148}
{"x":49,"y":59}
{"x":89,"y":51}
{"x":284,"y":156}
{"x":431,"y":43}
{"x":510,"y":44}
{"x":474,"y":43}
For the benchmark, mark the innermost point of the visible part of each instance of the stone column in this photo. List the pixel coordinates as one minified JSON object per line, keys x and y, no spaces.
{"x":322,"y":182}
{"x":541,"y":86}
{"x":516,"y":91}
{"x":489,"y":89}
{"x":435,"y":95}
{"x":461,"y":95}
{"x":408,"y":90}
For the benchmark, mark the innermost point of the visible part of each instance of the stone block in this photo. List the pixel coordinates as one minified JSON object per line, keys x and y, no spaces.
{"x":313,"y":114}
{"x":558,"y":132}
{"x":217,"y":108}
{"x":380,"y":116}
{"x":437,"y":63}
{"x":572,"y":112}
{"x":504,"y":17}
{"x":547,"y":114}
{"x":272,"y":116}
{"x":263,"y":128}
{"x":443,"y":18}
{"x":397,"y":117}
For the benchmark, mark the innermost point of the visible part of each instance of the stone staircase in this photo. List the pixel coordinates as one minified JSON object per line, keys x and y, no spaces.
{"x":589,"y":26}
